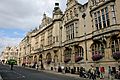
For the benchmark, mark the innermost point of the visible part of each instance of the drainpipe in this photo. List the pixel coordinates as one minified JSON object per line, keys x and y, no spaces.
{"x":83,"y":16}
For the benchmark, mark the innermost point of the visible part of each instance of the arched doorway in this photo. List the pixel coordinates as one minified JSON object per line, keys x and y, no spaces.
{"x":35,"y":59}
{"x":55,"y":62}
{"x":49,"y":58}
{"x":55,"y":59}
{"x":41,"y":61}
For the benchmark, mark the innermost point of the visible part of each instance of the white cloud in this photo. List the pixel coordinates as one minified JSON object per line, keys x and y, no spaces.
{"x":25,"y":15}
{"x":6,"y":41}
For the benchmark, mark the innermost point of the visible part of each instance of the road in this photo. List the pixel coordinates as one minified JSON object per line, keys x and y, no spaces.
{"x":20,"y":73}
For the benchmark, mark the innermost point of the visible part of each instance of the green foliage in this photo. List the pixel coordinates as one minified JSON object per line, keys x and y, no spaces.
{"x":12,"y":61}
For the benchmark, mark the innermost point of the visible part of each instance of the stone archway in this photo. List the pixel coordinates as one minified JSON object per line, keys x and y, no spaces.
{"x":49,"y":58}
{"x":40,"y":57}
{"x":41,"y":61}
{"x":35,"y":59}
{"x":55,"y":59}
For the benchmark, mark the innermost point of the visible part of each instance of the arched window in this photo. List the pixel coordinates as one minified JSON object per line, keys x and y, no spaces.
{"x":67,"y":54}
{"x":55,"y":58}
{"x":93,"y":2}
{"x":97,"y":51}
{"x":98,"y":48}
{"x":40,"y":57}
{"x":75,"y":12}
{"x":79,"y":53}
{"x":115,"y":46}
{"x":35,"y":58}
{"x":67,"y":16}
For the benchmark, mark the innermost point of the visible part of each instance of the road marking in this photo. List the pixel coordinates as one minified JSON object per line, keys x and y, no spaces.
{"x":19,"y":74}
{"x":1,"y":78}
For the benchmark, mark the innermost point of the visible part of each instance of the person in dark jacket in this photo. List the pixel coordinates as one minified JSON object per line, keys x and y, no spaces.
{"x":12,"y":65}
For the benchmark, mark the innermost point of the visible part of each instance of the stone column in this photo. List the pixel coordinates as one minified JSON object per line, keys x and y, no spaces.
{"x":73,"y":55}
{"x":108,"y":50}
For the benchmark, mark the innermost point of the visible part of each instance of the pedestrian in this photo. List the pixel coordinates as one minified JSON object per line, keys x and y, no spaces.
{"x":102,"y":71}
{"x":12,"y":65}
{"x":93,"y":72}
{"x":89,"y":73}
{"x":37,"y":66}
{"x":81,"y":72}
{"x":109,"y":72}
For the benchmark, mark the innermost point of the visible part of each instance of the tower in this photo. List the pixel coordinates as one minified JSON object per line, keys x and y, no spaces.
{"x":57,"y":13}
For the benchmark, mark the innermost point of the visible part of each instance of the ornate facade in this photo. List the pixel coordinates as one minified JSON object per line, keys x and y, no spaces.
{"x":83,"y":35}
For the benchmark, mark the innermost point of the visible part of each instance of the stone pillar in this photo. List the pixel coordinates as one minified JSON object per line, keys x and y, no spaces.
{"x":61,"y":58}
{"x":73,"y":55}
{"x":33,"y":59}
{"x":108,"y":50}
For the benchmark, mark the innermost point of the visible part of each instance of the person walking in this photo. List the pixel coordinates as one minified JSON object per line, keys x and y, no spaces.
{"x":102,"y":71}
{"x":93,"y":72}
{"x":37,"y":66}
{"x":12,"y":65}
{"x":109,"y":73}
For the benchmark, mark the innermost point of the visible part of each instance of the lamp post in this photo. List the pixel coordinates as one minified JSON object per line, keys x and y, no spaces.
{"x":83,"y":16}
{"x":18,"y":54}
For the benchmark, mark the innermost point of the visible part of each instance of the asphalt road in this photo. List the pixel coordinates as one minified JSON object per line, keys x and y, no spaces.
{"x":20,"y":73}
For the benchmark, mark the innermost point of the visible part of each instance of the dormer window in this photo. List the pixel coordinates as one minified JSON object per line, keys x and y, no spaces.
{"x":67,"y":16}
{"x":71,"y":15}
{"x":75,"y":12}
{"x":93,"y":2}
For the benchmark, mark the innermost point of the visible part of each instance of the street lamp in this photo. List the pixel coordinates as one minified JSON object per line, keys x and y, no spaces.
{"x":83,"y":16}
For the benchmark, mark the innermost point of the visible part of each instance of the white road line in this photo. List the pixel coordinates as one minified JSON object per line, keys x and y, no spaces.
{"x":1,"y":78}
{"x":19,"y":74}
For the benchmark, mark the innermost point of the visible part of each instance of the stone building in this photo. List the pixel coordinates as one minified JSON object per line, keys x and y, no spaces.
{"x":81,"y":36}
{"x":10,"y":53}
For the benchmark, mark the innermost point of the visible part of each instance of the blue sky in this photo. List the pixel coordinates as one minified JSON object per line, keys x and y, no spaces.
{"x":17,"y":17}
{"x":12,"y":33}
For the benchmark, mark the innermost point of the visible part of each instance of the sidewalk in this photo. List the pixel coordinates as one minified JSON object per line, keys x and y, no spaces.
{"x":65,"y":74}
{"x":60,"y":73}
{"x":75,"y":75}
{"x":69,"y":74}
